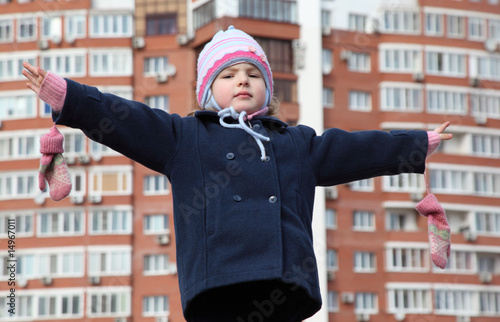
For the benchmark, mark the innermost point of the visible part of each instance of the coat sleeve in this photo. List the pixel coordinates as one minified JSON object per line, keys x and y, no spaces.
{"x":339,"y":157}
{"x":148,"y":136}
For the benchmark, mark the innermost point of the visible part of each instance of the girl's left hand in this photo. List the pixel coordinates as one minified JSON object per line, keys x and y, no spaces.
{"x":441,"y":129}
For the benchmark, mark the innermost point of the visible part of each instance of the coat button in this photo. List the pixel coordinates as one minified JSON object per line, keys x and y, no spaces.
{"x":237,"y":198}
{"x":230,"y":156}
{"x":256,"y":127}
{"x":273,"y":199}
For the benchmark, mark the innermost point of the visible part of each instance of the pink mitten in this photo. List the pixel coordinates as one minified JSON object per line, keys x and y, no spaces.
{"x":53,"y":168}
{"x":439,"y":230}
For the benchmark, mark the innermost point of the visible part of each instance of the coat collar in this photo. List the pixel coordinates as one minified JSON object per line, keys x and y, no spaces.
{"x":268,"y":120}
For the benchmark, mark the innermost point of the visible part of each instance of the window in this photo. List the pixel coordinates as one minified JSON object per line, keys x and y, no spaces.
{"x":364,"y":262}
{"x":477,"y":28}
{"x":272,"y":10}
{"x":64,"y":263}
{"x":486,"y":184}
{"x":434,"y":24}
{"x":23,"y":223}
{"x":60,"y":306}
{"x":160,"y":101}
{"x":362,"y":185}
{"x":400,"y":221}
{"x":74,"y":143}
{"x":97,"y":149}
{"x":453,"y":301}
{"x":109,"y":301}
{"x":155,"y":305}
{"x":111,"y":25}
{"x":487,"y":223}
{"x":485,"y":145}
{"x":110,"y":181}
{"x":449,"y":181}
{"x":446,"y":64}
{"x":204,"y":14}
{"x":11,"y":65}
{"x":400,"y":60}
{"x":446,"y":102}
{"x":486,"y":263}
{"x":489,"y":302}
{"x":156,"y":185}
{"x":359,"y":62}
{"x":460,"y":262}
{"x":75,"y":27}
{"x":493,"y":29}
{"x":360,"y":101}
{"x":366,"y":303}
{"x":60,"y":223}
{"x":408,"y":259}
{"x":363,"y":221}
{"x":489,"y":67}
{"x":401,"y":22}
{"x":402,"y":99}
{"x":279,"y":54}
{"x":409,"y":300}
{"x":156,"y":224}
{"x":357,"y":22}
{"x":16,"y":105}
{"x":113,"y":62}
{"x":331,"y":219}
{"x":51,"y":28}
{"x":114,"y":261}
{"x":285,"y":90}
{"x":6,"y":30}
{"x":18,"y":185}
{"x":328,"y":101}
{"x":456,"y":26}
{"x":65,"y":64}
{"x":406,"y":182}
{"x":158,"y":265}
{"x":19,"y":146}
{"x":331,"y":260}
{"x":333,"y":301}
{"x":26,"y":267}
{"x":110,"y":222}
{"x":161,"y":24}
{"x":327,"y":61}
{"x":26,"y":30}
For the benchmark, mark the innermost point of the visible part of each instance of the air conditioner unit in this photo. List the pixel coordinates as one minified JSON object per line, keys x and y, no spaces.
{"x":469,"y":235}
{"x":344,"y":55}
{"x":347,"y":297}
{"x":161,"y":319}
{"x":491,"y":45}
{"x":330,"y":276}
{"x":70,"y":159}
{"x":161,"y":78}
{"x":416,"y":196}
{"x":70,"y":40}
{"x":39,"y":199}
{"x":480,"y":119}
{"x":47,"y":280}
{"x":163,"y":239}
{"x":463,"y":318}
{"x":95,"y":280}
{"x":418,"y":77}
{"x":95,"y":198}
{"x":474,"y":82}
{"x":362,"y":317}
{"x":78,"y":199}
{"x":84,"y":159}
{"x":138,"y":42}
{"x":56,"y":39}
{"x":400,"y":316}
{"x":485,"y":277}
{"x":326,"y":30}
{"x":97,"y":157}
{"x":43,"y":44}
{"x":120,"y":319}
{"x":331,"y":193}
{"x":182,"y":39}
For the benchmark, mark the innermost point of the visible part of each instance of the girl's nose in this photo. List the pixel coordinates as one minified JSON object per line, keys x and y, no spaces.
{"x":243,"y":79}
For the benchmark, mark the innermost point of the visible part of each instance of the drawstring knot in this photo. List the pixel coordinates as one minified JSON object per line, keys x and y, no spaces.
{"x":242,"y":117}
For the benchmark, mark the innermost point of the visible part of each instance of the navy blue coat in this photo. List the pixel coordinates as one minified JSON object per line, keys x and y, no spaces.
{"x":238,"y":218}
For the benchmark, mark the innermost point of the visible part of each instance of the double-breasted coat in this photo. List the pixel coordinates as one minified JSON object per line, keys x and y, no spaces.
{"x":238,"y":218}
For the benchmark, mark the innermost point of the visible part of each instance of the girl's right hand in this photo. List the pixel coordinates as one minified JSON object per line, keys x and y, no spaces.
{"x":35,"y":75}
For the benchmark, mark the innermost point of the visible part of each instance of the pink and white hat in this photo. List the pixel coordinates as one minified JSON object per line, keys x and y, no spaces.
{"x":229,"y":48}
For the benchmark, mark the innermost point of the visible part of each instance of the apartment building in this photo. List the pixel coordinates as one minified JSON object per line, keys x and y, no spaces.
{"x":107,"y":252}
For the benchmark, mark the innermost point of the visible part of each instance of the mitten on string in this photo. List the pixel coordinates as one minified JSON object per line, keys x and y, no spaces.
{"x":439,"y":230}
{"x":53,"y":168}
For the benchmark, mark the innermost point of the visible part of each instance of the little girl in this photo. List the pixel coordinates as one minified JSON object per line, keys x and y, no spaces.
{"x":243,"y":182}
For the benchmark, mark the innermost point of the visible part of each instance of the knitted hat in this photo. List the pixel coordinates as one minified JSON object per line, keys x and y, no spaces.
{"x":229,"y":48}
{"x":52,"y":142}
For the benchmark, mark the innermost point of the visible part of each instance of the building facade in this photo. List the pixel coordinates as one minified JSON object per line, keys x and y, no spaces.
{"x":107,"y":252}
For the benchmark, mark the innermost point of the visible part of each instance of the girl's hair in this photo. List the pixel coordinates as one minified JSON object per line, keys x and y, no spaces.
{"x":274,"y":108}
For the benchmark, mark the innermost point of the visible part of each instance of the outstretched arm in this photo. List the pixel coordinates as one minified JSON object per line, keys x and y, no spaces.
{"x":35,"y":76}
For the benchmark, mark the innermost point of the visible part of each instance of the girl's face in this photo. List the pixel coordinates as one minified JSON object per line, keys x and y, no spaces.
{"x":240,"y":86}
